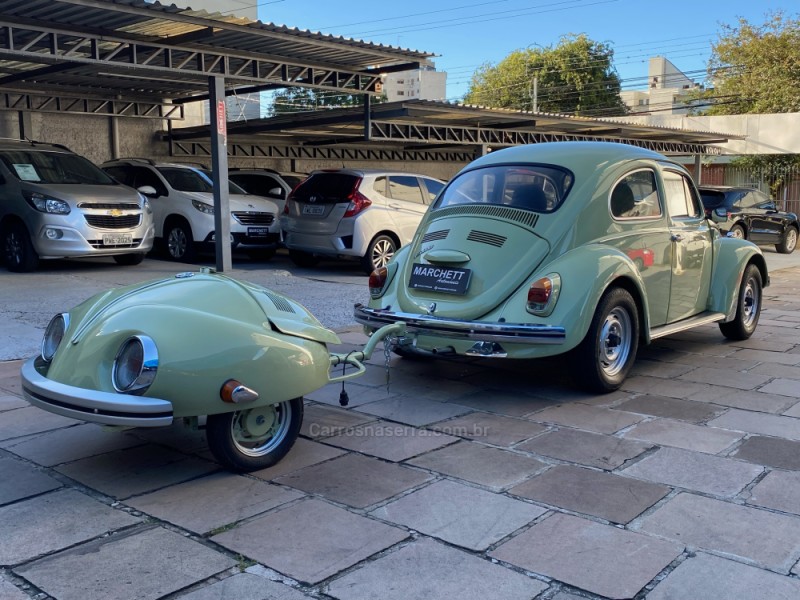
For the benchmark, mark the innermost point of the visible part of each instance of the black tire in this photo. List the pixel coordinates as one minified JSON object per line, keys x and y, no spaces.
{"x":237,"y":448}
{"x":788,"y":241}
{"x":607,"y":353}
{"x":19,"y":254}
{"x":303,"y":259}
{"x":179,"y":242}
{"x":737,"y":231}
{"x":129,"y":259}
{"x":748,"y":307}
{"x":381,"y":249}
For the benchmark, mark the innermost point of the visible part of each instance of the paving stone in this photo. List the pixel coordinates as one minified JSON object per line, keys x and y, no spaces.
{"x":445,"y":390}
{"x":413,"y":411}
{"x":211,"y":502}
{"x":726,"y":377}
{"x":27,"y":480}
{"x":71,"y":443}
{"x":54,"y":521}
{"x":782,"y":387}
{"x":11,"y":402}
{"x":426,"y":569}
{"x":794,"y":411}
{"x":779,"y":490}
{"x":768,"y":539}
{"x":713,"y":578}
{"x":567,"y":596}
{"x":695,"y":471}
{"x":8,"y":591}
{"x":512,"y":404}
{"x":142,"y":564}
{"x":770,"y":344}
{"x":589,"y":418}
{"x":358,"y":394}
{"x":751,"y":422}
{"x":136,"y":470}
{"x":460,"y":514}
{"x":781,"y":358}
{"x":771,"y":452}
{"x":671,"y":408}
{"x":666,"y":432}
{"x":676,"y":388}
{"x":778,"y":370}
{"x":246,"y":586}
{"x":755,"y":400}
{"x":480,"y":464}
{"x":303,"y":454}
{"x":666,"y":370}
{"x":490,"y":429}
{"x":611,"y":497}
{"x":713,"y":362}
{"x":176,"y":436}
{"x":590,"y":449}
{"x":390,"y":441}
{"x":311,"y":540}
{"x":588,"y":555}
{"x":26,"y":421}
{"x":321,"y":421}
{"x":355,"y":480}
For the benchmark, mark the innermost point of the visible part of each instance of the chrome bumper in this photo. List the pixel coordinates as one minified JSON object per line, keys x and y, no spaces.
{"x":485,"y":331}
{"x":92,"y":405}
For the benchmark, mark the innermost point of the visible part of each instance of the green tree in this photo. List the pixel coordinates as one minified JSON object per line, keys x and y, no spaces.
{"x":300,"y":99}
{"x":574,"y":77}
{"x":755,"y":69}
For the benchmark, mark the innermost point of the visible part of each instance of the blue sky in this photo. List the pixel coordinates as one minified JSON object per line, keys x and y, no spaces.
{"x":465,"y":34}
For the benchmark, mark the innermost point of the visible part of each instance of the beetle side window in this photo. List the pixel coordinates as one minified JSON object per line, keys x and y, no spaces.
{"x":635,"y":196}
{"x":681,"y":198}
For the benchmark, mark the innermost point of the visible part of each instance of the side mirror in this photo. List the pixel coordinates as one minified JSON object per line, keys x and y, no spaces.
{"x":148,"y":190}
{"x":276,"y":192}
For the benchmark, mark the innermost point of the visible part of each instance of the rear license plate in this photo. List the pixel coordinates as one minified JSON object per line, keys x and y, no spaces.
{"x":117,"y":239}
{"x":447,"y":280}
{"x":257,"y":232}
{"x":311,"y":209}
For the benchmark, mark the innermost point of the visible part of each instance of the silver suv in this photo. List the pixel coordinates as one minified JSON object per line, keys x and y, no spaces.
{"x":365,"y":214}
{"x":57,"y":204}
{"x":183,"y":206}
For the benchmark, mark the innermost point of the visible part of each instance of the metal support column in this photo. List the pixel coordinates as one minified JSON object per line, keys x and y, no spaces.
{"x":25,"y":125}
{"x":367,"y":117}
{"x":698,"y":170}
{"x":219,"y":170}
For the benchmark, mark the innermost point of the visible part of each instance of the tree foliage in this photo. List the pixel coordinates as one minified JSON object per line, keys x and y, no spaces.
{"x":574,"y":77}
{"x":755,"y":69}
{"x":299,"y":99}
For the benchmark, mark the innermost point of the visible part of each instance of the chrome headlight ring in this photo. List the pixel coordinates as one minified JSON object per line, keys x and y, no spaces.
{"x":53,"y":335}
{"x":135,"y":365}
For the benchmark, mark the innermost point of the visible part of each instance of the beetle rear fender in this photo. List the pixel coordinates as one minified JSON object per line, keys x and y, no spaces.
{"x":732,"y":258}
{"x":586,"y":273}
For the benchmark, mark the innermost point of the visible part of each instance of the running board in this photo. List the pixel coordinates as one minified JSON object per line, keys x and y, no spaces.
{"x":701,"y":319}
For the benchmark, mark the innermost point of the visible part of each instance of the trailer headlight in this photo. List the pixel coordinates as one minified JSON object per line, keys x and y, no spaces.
{"x":53,"y":335}
{"x":135,"y":365}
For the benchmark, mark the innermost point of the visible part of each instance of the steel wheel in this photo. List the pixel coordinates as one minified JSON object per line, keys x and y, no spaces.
{"x":255,"y":438}
{"x":748,"y":308}
{"x":615,"y":342}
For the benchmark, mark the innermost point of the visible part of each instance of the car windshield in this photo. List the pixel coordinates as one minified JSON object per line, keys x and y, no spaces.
{"x":233,"y":188}
{"x":186,"y":180}
{"x":53,"y":167}
{"x":538,"y":188}
{"x":712,"y":199}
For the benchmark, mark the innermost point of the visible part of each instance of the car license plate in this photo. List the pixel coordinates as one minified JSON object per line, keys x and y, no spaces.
{"x":311,"y":209}
{"x":117,"y":239}
{"x":257,"y":232}
{"x":447,"y":280}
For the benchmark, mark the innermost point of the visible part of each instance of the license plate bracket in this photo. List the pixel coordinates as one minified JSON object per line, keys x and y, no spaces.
{"x":435,"y":278}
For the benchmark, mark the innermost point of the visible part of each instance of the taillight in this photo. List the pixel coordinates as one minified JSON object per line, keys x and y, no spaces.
{"x":543,"y":295}
{"x":358,"y":202}
{"x":377,"y":279}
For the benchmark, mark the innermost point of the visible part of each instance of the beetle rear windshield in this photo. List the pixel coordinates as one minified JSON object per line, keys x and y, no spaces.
{"x":53,"y":167}
{"x":712,"y":199}
{"x":537,"y":188}
{"x":327,"y":188}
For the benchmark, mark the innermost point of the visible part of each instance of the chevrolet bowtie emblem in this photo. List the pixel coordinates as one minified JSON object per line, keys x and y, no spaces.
{"x":115,"y":212}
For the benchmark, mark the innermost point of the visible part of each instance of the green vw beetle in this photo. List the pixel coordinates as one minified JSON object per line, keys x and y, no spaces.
{"x":584,"y":247}
{"x":190,"y":346}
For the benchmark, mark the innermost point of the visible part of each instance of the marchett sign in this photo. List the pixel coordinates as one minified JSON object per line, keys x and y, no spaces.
{"x":449,"y":280}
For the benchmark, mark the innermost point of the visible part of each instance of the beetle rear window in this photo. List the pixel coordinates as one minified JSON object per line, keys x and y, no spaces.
{"x":538,"y":188}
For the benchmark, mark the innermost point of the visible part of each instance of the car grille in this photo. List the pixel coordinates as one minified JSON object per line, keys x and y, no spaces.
{"x":484,"y":237}
{"x":109,"y":222}
{"x":111,"y":206}
{"x":99,"y":244}
{"x":280,"y":303}
{"x":254,"y":218}
{"x":432,"y":236}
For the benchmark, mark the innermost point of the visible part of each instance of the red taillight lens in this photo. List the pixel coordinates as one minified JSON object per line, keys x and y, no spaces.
{"x":377,"y":280}
{"x":543,"y":295}
{"x":539,"y":292}
{"x":358,"y":202}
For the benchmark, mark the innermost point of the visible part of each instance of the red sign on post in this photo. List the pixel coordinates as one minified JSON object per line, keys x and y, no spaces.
{"x":221,"y":118}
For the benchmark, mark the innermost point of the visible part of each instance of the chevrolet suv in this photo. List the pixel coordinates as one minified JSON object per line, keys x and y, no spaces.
{"x":183,"y":205}
{"x":57,"y":204}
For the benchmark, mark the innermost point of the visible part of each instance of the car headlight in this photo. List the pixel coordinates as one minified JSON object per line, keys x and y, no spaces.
{"x":135,"y":365}
{"x":46,"y":204}
{"x":146,"y":204}
{"x":203,"y":207}
{"x":53,"y":335}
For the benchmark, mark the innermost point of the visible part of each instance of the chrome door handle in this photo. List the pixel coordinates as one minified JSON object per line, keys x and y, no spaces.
{"x":676,"y":237}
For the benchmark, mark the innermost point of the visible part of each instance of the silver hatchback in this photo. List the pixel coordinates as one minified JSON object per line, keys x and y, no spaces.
{"x":57,"y":204}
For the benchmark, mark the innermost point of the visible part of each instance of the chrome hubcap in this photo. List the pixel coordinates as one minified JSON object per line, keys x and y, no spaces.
{"x":737,"y":233}
{"x":382,"y":253}
{"x":615,"y":341}
{"x":259,"y":431}
{"x":750,"y":302}
{"x":791,"y":240}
